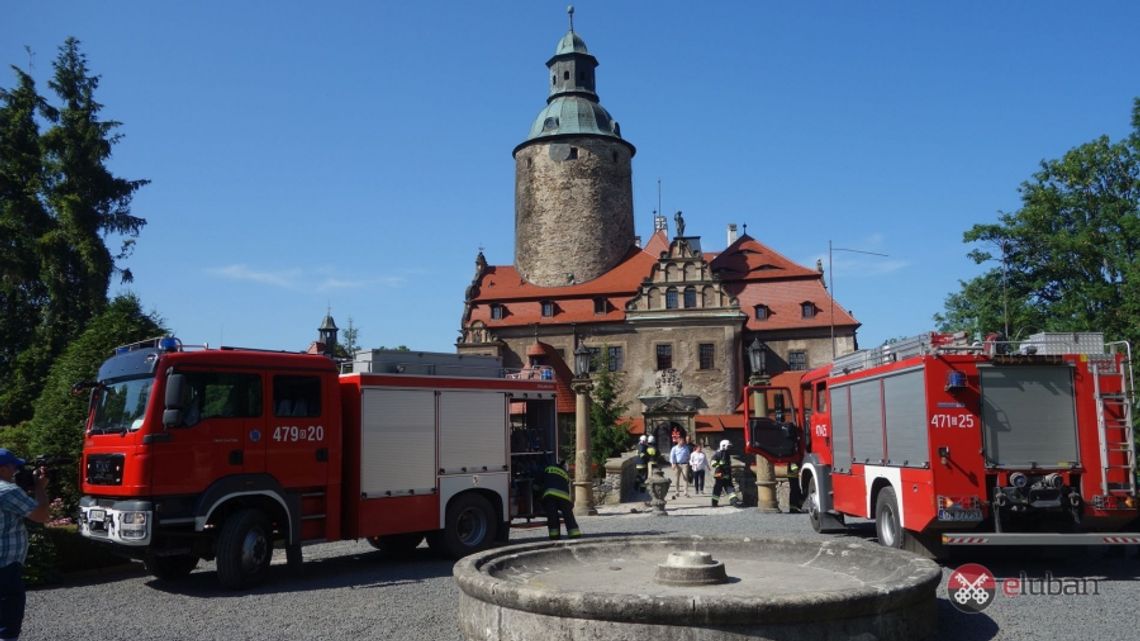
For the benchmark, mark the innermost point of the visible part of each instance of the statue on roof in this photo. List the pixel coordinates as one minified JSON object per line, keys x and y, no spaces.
{"x":679,"y":221}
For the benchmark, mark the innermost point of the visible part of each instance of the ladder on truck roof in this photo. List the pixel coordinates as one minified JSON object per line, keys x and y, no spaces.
{"x":1114,"y":421}
{"x":925,"y":343}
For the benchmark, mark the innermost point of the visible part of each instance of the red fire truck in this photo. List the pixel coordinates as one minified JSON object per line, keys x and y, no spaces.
{"x":222,"y":453}
{"x":947,"y":443}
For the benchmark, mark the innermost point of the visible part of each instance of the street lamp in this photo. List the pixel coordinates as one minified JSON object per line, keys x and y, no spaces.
{"x":765,"y":471}
{"x":758,"y":358}
{"x":583,"y":485}
{"x":831,"y":283}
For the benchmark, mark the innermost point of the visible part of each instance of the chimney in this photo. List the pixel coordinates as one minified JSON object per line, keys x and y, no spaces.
{"x":637,"y":241}
{"x":731,"y":233}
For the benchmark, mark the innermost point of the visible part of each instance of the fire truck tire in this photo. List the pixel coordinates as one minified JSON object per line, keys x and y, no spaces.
{"x":888,"y":525}
{"x":811,"y":506}
{"x":470,"y":527}
{"x":171,"y":568}
{"x":245,"y":548}
{"x":396,"y":544}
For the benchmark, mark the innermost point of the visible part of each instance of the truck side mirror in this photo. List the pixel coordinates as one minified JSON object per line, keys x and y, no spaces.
{"x":175,"y":400}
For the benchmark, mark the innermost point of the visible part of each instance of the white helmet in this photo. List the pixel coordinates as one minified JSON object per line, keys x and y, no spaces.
{"x":724,"y":445}
{"x":652,"y":440}
{"x":642,"y":439}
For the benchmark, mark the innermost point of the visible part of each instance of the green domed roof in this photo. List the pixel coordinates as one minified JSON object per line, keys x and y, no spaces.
{"x":571,"y":114}
{"x":571,"y":43}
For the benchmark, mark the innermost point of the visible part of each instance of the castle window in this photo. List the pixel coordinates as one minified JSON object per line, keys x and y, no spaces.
{"x":690,"y":297}
{"x":498,"y":311}
{"x":671,"y":299}
{"x":565,"y":75}
{"x":548,"y":308}
{"x":553,"y":80}
{"x":706,"y":354}
{"x":664,"y":357}
{"x":616,"y":360}
{"x":797,"y":359}
{"x":761,"y":312}
{"x":807,"y":310}
{"x":573,"y":154}
{"x":600,"y":305}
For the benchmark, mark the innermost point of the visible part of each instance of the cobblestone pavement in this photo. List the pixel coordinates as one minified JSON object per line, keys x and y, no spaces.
{"x":349,"y":591}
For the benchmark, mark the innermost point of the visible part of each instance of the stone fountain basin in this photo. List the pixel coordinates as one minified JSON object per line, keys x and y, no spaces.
{"x":784,"y":589}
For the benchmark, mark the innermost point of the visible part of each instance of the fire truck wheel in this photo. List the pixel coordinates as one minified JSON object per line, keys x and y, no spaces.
{"x":469,"y":528}
{"x":394,"y":544}
{"x":171,"y":568}
{"x":811,"y":505}
{"x":245,"y":548}
{"x":888,"y":527}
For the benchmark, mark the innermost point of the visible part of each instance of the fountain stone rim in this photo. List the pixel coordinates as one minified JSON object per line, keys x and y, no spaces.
{"x":913,"y":580}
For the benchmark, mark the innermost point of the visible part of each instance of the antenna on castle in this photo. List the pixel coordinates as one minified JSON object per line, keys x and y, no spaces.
{"x":570,"y":12}
{"x":659,"y":195}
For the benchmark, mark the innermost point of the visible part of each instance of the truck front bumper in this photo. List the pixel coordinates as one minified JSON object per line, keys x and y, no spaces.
{"x":968,"y":539}
{"x":124,"y":522}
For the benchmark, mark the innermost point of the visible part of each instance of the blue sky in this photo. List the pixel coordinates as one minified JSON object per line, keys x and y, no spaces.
{"x":357,"y":155}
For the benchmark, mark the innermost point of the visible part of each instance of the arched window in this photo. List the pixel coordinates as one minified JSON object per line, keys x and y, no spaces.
{"x":671,"y":298}
{"x":690,"y":297}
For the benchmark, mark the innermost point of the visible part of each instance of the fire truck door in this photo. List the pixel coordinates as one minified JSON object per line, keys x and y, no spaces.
{"x":297,"y":443}
{"x":222,"y":422}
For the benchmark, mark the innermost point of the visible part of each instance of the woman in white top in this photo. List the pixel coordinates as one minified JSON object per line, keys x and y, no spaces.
{"x":699,"y":464}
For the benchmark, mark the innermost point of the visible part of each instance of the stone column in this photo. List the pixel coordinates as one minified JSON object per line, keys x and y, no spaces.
{"x":765,"y":471}
{"x":583,"y":484}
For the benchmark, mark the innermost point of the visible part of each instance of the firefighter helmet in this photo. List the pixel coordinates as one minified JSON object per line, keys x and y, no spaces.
{"x":642,"y":439}
{"x":724,"y":445}
{"x":651,"y":439}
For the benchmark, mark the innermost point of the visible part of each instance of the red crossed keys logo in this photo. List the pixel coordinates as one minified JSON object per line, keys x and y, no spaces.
{"x":971,"y":588}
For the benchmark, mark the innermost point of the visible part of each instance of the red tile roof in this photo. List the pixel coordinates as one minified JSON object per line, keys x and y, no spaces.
{"x":752,"y":272}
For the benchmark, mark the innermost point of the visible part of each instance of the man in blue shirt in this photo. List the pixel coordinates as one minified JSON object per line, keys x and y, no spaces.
{"x":15,"y":506}
{"x":679,"y":459}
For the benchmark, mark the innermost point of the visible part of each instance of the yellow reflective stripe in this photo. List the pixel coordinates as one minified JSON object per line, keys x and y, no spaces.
{"x":575,"y":533}
{"x":558,"y":494}
{"x":554,"y":469}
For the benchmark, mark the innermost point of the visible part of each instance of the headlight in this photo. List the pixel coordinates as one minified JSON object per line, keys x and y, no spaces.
{"x":132,"y":525}
{"x":134,"y":518}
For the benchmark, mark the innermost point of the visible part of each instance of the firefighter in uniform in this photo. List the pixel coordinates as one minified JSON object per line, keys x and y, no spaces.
{"x":556,"y":500}
{"x":642,"y":462}
{"x":722,"y":472}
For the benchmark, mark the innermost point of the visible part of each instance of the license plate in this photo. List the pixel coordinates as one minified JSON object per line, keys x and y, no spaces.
{"x":959,"y":515}
{"x":97,"y":515}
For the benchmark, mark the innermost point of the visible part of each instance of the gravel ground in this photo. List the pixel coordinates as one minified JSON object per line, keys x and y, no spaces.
{"x":348,"y":591}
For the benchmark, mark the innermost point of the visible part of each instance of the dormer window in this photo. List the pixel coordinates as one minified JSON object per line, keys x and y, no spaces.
{"x":807,"y":310}
{"x":498,"y":311}
{"x":600,"y":305}
{"x":548,"y":308}
{"x":761,"y":312}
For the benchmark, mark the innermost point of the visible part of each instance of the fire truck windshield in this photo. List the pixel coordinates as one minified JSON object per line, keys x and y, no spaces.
{"x":121,"y":405}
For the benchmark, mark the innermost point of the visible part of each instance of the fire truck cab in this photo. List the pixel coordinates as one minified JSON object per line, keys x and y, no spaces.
{"x":948,"y":443}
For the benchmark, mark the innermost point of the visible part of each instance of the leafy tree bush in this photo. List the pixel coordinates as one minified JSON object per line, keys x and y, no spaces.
{"x":1068,"y":259}
{"x":609,"y":435}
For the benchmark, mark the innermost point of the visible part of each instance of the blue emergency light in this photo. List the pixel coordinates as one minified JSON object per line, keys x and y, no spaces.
{"x":168,"y":344}
{"x":955,"y":380}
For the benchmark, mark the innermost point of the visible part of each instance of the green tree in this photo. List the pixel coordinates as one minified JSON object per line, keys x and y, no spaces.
{"x":23,"y":220}
{"x":609,"y":436}
{"x":89,"y":203}
{"x":57,"y":426}
{"x":1067,"y":259}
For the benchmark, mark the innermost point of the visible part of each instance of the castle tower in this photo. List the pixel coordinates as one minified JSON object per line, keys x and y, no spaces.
{"x":573,"y":179}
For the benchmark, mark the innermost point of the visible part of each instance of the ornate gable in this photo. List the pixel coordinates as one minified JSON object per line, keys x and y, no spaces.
{"x":681,"y":282}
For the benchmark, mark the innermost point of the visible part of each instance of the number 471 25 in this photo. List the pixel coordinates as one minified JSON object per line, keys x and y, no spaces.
{"x":961,"y":421}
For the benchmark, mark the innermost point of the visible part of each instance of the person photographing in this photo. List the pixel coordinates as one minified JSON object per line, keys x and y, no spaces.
{"x":15,"y":506}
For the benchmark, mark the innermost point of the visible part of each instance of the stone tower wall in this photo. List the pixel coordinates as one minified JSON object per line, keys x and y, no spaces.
{"x":573,"y":209}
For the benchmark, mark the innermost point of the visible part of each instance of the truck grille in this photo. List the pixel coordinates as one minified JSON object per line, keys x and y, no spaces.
{"x":105,"y":469}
